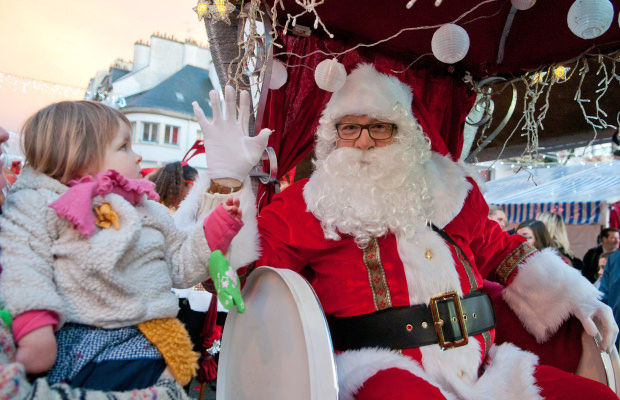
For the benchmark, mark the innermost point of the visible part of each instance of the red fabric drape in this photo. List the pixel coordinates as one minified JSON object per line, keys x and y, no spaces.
{"x":440,"y":102}
{"x":614,"y":215}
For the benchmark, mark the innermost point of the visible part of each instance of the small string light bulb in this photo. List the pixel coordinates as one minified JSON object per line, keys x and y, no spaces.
{"x":221,"y":5}
{"x":410,"y":4}
{"x":559,"y":72}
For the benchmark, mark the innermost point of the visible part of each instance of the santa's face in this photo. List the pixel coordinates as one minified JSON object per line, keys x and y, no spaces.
{"x":365,"y":189}
{"x":365,"y":141}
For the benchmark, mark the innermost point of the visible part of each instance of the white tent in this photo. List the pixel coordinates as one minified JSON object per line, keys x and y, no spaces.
{"x":582,"y":194}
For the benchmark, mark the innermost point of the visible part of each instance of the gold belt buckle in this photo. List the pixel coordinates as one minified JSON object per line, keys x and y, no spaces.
{"x":438,"y":322}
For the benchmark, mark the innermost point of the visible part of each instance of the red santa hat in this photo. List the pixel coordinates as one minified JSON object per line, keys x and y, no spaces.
{"x":366,"y":91}
{"x":369,"y":92}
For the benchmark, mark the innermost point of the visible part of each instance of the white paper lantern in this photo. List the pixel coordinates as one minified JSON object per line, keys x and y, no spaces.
{"x":278,"y":75}
{"x":590,"y":18}
{"x":450,"y":43}
{"x":330,"y":75}
{"x":523,"y":4}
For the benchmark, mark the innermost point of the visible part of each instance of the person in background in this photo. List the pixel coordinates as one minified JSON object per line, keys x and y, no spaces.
{"x":602,"y":263}
{"x":88,"y":260}
{"x":173,"y":182}
{"x":557,"y":230}
{"x":4,"y":183}
{"x":14,"y":384}
{"x":497,"y":214}
{"x":610,"y":239}
{"x":535,"y":233}
{"x":610,"y":283}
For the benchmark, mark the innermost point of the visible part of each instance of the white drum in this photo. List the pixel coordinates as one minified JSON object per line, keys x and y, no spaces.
{"x":597,"y":365}
{"x":280,"y":348}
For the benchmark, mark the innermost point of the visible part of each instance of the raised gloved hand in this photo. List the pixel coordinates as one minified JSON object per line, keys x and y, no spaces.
{"x":586,"y":311}
{"x":226,"y":281}
{"x":230,"y":151}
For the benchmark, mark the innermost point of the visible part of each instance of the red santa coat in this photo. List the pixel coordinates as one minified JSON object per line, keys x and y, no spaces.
{"x":291,"y":237}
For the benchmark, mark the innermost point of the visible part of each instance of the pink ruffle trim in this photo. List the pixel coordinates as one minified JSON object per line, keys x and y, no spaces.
{"x":75,"y":205}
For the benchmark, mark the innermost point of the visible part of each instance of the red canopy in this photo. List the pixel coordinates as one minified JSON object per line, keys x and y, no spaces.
{"x":538,"y":36}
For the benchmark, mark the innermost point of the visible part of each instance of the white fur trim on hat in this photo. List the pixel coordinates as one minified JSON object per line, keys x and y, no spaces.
{"x":369,"y":92}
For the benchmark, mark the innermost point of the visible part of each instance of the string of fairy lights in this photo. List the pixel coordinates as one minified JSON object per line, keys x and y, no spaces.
{"x":25,"y":85}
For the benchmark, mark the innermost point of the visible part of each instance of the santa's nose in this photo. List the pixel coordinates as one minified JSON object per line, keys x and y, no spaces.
{"x":365,"y":142}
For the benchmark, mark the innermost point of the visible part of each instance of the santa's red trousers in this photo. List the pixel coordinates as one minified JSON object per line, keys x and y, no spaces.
{"x":556,"y":384}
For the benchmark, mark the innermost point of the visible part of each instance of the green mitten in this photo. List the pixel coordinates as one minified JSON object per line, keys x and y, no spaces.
{"x":226,"y":281}
{"x":6,"y":318}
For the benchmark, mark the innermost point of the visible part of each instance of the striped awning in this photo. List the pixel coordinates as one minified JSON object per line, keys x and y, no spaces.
{"x":581,"y":193}
{"x":572,"y":213}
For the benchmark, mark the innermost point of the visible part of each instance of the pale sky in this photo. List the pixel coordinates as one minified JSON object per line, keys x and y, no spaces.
{"x":68,"y":41}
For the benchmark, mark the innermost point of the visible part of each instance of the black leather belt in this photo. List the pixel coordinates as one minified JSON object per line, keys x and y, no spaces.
{"x":447,"y":320}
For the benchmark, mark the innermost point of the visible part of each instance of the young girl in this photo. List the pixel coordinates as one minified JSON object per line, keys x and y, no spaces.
{"x":86,"y":253}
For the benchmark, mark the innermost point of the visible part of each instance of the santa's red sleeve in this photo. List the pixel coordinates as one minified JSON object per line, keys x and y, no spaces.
{"x":541,"y":288}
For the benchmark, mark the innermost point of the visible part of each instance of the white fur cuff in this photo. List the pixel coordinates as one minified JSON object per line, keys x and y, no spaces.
{"x":357,"y":366}
{"x":546,"y":291}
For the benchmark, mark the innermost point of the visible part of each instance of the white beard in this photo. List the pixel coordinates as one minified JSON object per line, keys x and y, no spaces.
{"x":365,"y":194}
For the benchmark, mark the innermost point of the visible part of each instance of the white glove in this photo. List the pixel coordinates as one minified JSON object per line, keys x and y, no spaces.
{"x":609,"y":329}
{"x":230,"y":151}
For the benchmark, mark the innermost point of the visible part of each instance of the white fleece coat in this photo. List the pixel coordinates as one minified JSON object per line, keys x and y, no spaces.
{"x":112,"y":279}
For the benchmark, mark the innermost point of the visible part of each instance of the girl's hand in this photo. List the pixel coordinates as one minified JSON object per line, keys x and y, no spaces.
{"x":37,"y":350}
{"x":232,"y":207}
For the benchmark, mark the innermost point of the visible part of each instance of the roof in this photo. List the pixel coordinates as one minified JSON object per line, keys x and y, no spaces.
{"x":578,"y":192}
{"x":116,"y":73}
{"x":177,"y":93}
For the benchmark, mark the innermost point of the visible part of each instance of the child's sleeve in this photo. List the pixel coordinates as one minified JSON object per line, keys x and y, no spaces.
{"x":31,"y":320}
{"x":220,"y":228}
{"x":27,"y":279}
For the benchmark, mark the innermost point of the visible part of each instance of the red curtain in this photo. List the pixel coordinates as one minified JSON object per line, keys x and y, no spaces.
{"x":614,"y":215}
{"x":440,"y":101}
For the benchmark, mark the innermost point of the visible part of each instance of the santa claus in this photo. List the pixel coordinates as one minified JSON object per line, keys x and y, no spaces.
{"x":396,"y":242}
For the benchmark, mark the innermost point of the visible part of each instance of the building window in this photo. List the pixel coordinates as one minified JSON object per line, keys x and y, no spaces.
{"x":171,"y":135}
{"x":134,"y":130}
{"x":149,"y":132}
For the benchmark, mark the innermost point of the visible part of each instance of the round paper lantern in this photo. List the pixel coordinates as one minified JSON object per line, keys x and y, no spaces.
{"x":330,"y":75}
{"x":523,"y":4}
{"x":278,"y":75}
{"x":450,"y":43}
{"x":590,"y":18}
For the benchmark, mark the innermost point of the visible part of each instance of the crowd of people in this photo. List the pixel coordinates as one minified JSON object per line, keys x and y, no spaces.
{"x":395,"y":239}
{"x":549,"y":231}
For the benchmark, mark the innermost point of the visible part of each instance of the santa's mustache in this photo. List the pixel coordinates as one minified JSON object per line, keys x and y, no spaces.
{"x":383,"y":167}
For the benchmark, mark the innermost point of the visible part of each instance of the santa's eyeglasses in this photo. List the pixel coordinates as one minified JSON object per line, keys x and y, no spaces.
{"x":376,"y":130}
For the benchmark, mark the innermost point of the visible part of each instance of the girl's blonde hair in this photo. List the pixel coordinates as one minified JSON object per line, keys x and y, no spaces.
{"x":557,"y":231}
{"x":66,"y":139}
